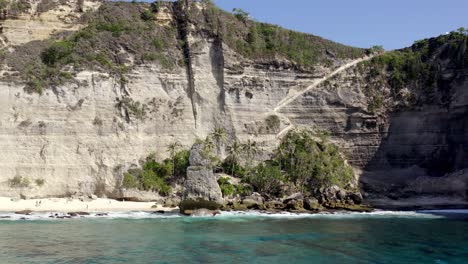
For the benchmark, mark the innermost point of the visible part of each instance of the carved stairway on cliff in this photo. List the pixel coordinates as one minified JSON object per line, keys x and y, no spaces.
{"x":293,"y":94}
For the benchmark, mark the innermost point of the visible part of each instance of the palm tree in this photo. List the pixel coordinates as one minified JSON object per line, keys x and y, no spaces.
{"x":173,"y":148}
{"x":251,"y":149}
{"x":219,"y":136}
{"x":234,"y":152}
{"x":208,"y":146}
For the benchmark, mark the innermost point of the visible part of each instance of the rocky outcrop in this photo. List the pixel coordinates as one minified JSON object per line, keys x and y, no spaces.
{"x":254,"y":201}
{"x":202,"y":212}
{"x":200,"y":182}
{"x":199,"y":207}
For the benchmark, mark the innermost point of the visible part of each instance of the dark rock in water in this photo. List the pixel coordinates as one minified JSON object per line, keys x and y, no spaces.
{"x":161,"y":212}
{"x":294,"y":202}
{"x":202,"y":212}
{"x":82,"y":213}
{"x":187,"y":207}
{"x":24,"y":212}
{"x":296,"y":196}
{"x":341,"y":195}
{"x":294,"y":205}
{"x":73,"y":214}
{"x":356,"y":197}
{"x":311,"y":204}
{"x":238,"y":206}
{"x":254,"y":201}
{"x":102,"y":214}
{"x":274,"y":205}
{"x":5,"y":217}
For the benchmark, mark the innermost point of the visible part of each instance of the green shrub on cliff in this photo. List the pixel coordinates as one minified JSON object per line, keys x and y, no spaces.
{"x":181,"y":163}
{"x":226,"y":187}
{"x":153,"y":176}
{"x":273,"y":122}
{"x":156,"y":176}
{"x":39,"y":182}
{"x":19,"y":182}
{"x":311,"y":162}
{"x":56,"y":52}
{"x":129,"y":181}
{"x":233,"y":167}
{"x":266,"y":178}
{"x":240,"y":14}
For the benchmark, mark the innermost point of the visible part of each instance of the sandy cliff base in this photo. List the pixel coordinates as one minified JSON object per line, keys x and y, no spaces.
{"x":74,"y":205}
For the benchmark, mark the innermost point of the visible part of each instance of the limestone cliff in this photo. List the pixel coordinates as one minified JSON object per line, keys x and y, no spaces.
{"x":101,"y":109}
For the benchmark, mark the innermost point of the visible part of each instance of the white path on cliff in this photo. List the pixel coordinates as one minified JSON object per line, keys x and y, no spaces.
{"x":293,"y":95}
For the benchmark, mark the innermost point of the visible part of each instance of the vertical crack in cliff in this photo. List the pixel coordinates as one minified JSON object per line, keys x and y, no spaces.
{"x":181,"y":13}
{"x":217,"y":60}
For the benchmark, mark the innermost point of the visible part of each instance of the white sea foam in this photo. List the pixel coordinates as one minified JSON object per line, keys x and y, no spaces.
{"x":93,"y":215}
{"x":335,"y":215}
{"x":237,"y":215}
{"x":446,"y":211}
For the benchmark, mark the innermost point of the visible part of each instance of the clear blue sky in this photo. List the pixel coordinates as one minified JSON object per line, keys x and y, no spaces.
{"x":361,"y":23}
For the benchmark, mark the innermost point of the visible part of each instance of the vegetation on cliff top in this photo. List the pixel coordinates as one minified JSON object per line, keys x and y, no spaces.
{"x":263,"y":41}
{"x":120,"y":35}
{"x":415,"y":75}
{"x":117,"y":36}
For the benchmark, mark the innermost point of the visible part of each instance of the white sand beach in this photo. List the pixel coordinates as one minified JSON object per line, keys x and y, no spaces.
{"x":73,"y":205}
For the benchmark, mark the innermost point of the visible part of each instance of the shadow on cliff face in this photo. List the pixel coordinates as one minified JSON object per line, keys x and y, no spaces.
{"x":423,"y":155}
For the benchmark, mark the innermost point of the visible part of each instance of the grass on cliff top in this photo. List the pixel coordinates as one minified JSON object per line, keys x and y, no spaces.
{"x":120,"y":35}
{"x":117,"y":36}
{"x":263,"y":41}
{"x":418,"y":68}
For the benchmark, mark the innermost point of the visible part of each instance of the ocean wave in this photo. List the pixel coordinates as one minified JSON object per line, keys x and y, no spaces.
{"x":233,"y":215}
{"x":92,"y":215}
{"x":334,"y":215}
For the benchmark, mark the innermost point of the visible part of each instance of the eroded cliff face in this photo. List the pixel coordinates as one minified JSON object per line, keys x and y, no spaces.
{"x":81,"y":136}
{"x":411,"y":149}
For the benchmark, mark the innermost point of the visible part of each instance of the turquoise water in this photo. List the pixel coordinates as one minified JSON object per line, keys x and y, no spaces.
{"x":232,"y":238}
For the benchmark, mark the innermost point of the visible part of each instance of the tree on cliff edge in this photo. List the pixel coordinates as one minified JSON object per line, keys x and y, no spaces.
{"x":173,"y":148}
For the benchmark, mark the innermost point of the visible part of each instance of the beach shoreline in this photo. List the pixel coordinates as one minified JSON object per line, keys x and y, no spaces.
{"x":67,"y":205}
